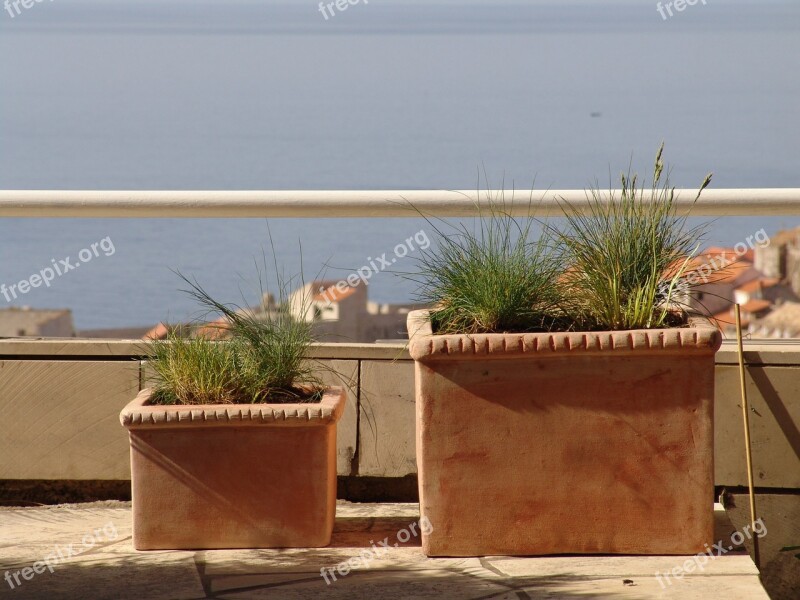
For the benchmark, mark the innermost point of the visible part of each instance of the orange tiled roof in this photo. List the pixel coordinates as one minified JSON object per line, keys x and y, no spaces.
{"x":725,"y":315}
{"x":159,"y":332}
{"x":754,"y":306}
{"x":215,"y":330}
{"x":758,"y":284}
{"x":333,"y":294}
{"x":748,"y":255}
{"x":726,"y":320}
{"x":720,"y":265}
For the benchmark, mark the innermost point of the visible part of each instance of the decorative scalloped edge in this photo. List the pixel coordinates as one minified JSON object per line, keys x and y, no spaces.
{"x":138,"y":413}
{"x":424,"y":346}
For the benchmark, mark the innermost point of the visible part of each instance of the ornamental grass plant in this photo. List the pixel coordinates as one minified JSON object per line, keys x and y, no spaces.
{"x":626,"y":256}
{"x":264,"y":359}
{"x":492,"y":277}
{"x":618,"y":265}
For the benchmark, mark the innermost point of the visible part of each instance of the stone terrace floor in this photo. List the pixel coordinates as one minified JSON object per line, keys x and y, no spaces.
{"x":113,"y":569}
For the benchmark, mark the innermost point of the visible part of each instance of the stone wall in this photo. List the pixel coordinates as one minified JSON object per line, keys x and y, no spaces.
{"x":60,"y":401}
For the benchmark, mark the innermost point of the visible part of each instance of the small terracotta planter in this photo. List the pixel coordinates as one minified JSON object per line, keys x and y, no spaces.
{"x":233,"y":476}
{"x":585,"y":443}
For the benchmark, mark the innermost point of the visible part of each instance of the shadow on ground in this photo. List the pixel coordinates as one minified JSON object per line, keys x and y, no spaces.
{"x":113,"y":570}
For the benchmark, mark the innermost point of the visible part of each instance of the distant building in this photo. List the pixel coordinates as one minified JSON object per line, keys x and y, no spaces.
{"x":342,"y":313}
{"x":120,"y":333}
{"x":751,"y":311}
{"x":781,"y":258}
{"x":782,"y":322}
{"x":159,"y":332}
{"x":719,"y":273}
{"x":724,"y":277}
{"x":767,"y":289}
{"x":26,"y":321}
{"x":213,"y":330}
{"x":338,"y":313}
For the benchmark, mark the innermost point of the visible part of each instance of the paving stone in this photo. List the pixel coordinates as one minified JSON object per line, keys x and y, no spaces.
{"x":695,"y":588}
{"x":370,"y":584}
{"x":113,"y":569}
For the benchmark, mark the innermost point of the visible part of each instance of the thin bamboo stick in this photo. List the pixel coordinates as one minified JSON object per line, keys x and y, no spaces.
{"x":748,"y":447}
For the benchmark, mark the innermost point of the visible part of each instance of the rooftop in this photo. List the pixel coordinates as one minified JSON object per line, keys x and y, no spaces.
{"x":761,"y":283}
{"x":20,"y":321}
{"x":111,"y":568}
{"x":785,"y":317}
{"x":756,"y":306}
{"x":330,"y":293}
{"x":722,"y":265}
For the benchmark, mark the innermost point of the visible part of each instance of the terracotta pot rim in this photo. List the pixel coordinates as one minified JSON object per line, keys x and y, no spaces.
{"x":424,"y":345}
{"x":139,"y":414}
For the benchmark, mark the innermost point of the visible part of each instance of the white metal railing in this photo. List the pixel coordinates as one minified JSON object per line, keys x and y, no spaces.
{"x":359,"y":203}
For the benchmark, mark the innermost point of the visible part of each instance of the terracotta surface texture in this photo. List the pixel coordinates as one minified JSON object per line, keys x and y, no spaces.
{"x":233,"y":476}
{"x":588,"y":443}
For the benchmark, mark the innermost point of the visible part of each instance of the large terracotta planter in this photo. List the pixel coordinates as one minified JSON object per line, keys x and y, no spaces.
{"x":233,"y":476}
{"x":595,"y":443}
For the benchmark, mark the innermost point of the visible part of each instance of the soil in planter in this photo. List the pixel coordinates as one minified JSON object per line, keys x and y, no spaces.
{"x":295,"y":395}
